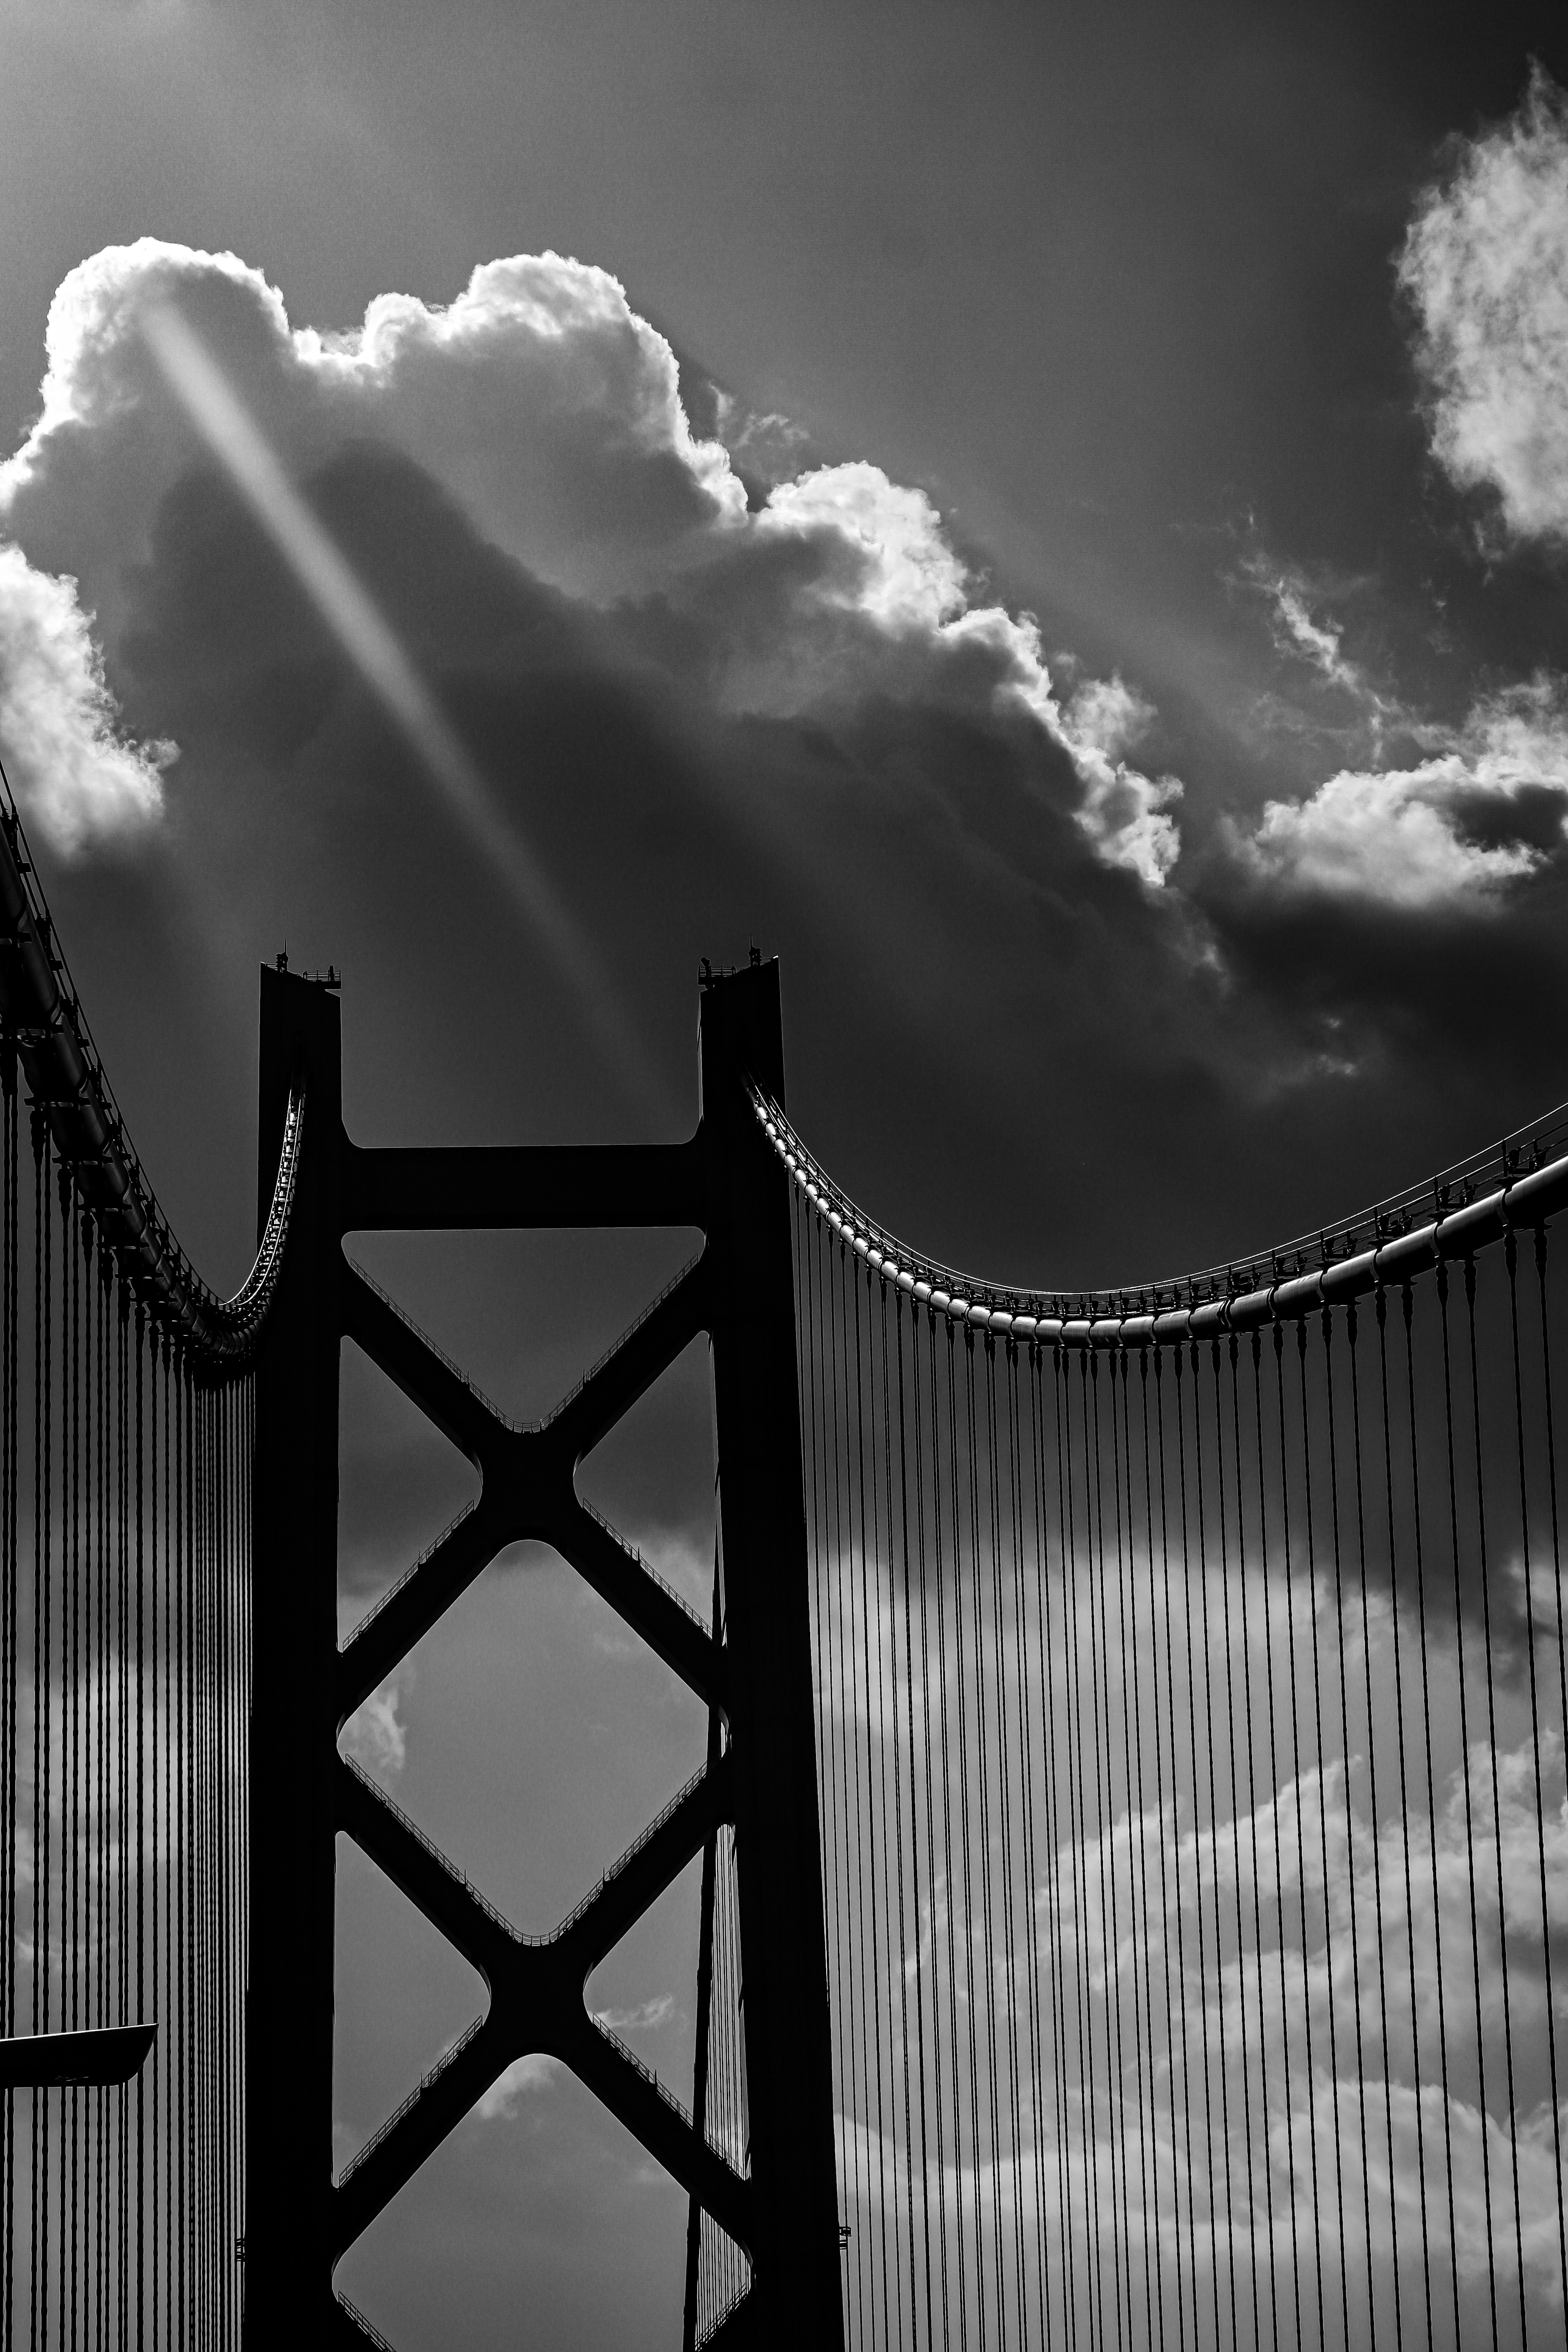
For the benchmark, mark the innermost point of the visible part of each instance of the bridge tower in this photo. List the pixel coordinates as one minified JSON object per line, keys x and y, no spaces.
{"x":726,"y":1183}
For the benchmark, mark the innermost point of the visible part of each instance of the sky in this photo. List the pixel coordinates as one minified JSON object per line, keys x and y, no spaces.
{"x":1052,"y":520}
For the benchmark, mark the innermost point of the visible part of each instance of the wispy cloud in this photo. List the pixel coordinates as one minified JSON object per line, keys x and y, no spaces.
{"x":645,"y":2018}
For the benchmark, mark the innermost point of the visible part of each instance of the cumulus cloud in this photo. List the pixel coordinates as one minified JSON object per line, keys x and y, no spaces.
{"x":1450,"y":831}
{"x":77,"y":777}
{"x":551,"y":414}
{"x":1486,"y":267}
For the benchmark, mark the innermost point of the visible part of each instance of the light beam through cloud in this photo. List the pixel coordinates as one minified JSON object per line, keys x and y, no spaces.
{"x":344,"y":603}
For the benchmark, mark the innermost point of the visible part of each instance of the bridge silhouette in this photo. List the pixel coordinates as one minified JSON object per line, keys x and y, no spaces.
{"x":1133,"y":1835}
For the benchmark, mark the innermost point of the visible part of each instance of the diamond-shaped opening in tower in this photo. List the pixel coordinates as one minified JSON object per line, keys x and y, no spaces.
{"x":525,"y":1314}
{"x":537,"y":1735}
{"x":404,"y":1996}
{"x":539,"y":2220}
{"x":651,"y":1475}
{"x":401,"y":1484}
{"x":644,"y":1991}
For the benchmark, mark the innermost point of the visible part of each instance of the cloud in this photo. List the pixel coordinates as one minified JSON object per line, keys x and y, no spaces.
{"x":519,"y":2081}
{"x":1307,"y":1992}
{"x":373,"y":1734}
{"x":1485,"y":264}
{"x":1298,"y":1996}
{"x":645,"y":2018}
{"x":550,"y":415}
{"x":1319,"y":641}
{"x":74,"y":774}
{"x":1301,"y":630}
{"x":1125,"y":813}
{"x":1450,"y":832}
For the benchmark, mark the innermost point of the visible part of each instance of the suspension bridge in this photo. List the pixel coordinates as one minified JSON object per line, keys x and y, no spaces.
{"x":1132,"y":1833}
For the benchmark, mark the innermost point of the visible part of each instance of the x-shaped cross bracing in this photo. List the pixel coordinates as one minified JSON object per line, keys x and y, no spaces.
{"x":528,"y":1490}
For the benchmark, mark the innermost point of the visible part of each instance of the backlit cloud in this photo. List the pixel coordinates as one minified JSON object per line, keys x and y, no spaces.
{"x":551,"y":414}
{"x":74,"y":774}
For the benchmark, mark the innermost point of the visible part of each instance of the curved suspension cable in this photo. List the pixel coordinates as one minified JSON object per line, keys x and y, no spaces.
{"x":42,"y":1015}
{"x":1530,"y":1185}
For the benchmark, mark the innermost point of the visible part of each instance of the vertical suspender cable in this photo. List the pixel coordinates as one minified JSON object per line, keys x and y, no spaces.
{"x":898,"y":1539}
{"x":1418,"y":1545}
{"x":1156,"y":1576}
{"x":143,"y":1850}
{"x":972,"y":1995}
{"x":1022,"y":1517}
{"x":1292,"y":1669}
{"x":1484,"y":1565}
{"x":1230,"y":1717}
{"x":914,"y":1822}
{"x":72,"y":1809}
{"x":10,"y":1798}
{"x":1192,"y":1701}
{"x":1323,"y":1820}
{"x":1104,"y":1839}
{"x":1561,"y":1686}
{"x":848,"y":1710}
{"x":942,"y":1561}
{"x":1173,"y":1902}
{"x":1206,"y":1639}
{"x":872,"y":1938}
{"x":1276,"y":1807}
{"x":1077,"y":1848}
{"x":1131,"y":1752}
{"x":986,"y":1937}
{"x":1470,"y":1816}
{"x":1013,"y":2158}
{"x":937,"y":1903}
{"x":1349,"y":1851}
{"x":1054,"y":1833}
{"x":1376,"y":1843}
{"x":1396,"y":1616}
{"x":43,"y":2110}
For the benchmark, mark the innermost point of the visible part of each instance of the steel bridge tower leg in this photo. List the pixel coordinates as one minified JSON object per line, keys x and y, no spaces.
{"x":797,"y":2298}
{"x":289,"y":2298}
